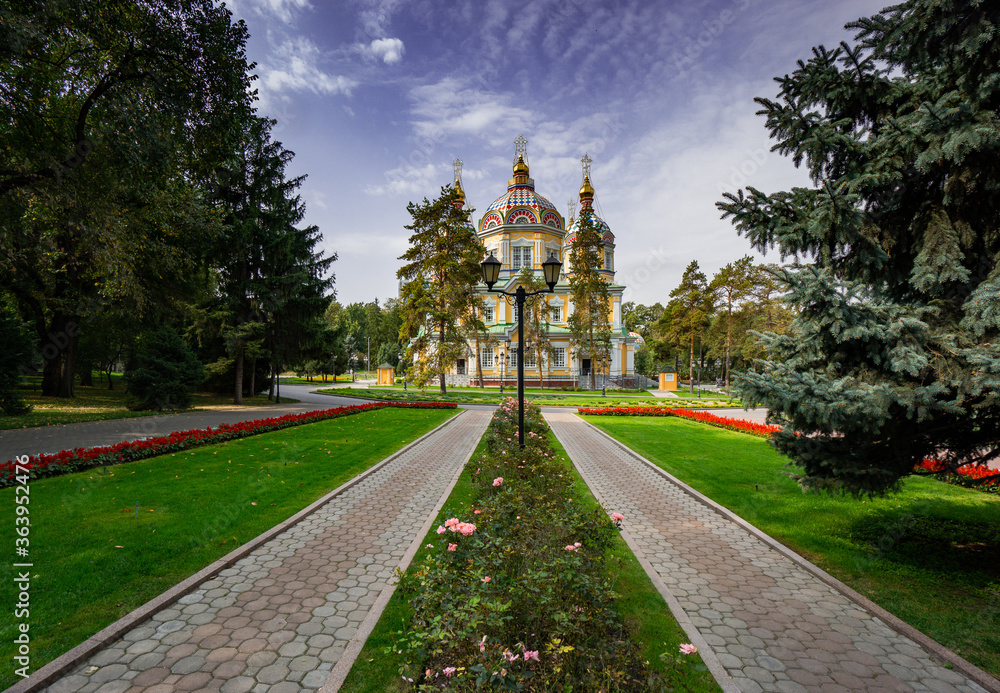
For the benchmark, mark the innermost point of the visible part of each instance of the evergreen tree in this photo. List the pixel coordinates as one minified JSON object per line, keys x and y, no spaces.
{"x":589,"y":325}
{"x":163,"y":372}
{"x":894,"y":354}
{"x":441,"y":270}
{"x":732,"y":284}
{"x":687,"y":314}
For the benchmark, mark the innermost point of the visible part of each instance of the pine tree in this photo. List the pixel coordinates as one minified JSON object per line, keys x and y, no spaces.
{"x":441,"y":270}
{"x":687,"y":314}
{"x":732,"y":284}
{"x":588,"y":325}
{"x":894,"y":354}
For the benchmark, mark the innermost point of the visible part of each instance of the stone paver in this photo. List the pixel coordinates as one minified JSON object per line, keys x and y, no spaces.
{"x":280,"y":618}
{"x":773,"y":625}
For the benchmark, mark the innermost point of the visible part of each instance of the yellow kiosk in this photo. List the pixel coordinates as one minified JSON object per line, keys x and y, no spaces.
{"x":668,"y":381}
{"x":387,"y":374}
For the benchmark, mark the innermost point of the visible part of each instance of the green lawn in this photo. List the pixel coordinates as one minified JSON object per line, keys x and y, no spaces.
{"x":94,"y":561}
{"x":930,"y":554}
{"x":645,"y":613}
{"x":545,"y":397}
{"x":98,"y":403}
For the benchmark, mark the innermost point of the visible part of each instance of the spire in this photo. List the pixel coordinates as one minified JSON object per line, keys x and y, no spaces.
{"x":586,"y":190}
{"x":457,"y":165}
{"x":521,"y":160}
{"x":572,"y":210}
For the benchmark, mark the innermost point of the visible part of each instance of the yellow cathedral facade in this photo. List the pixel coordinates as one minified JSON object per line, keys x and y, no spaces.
{"x":522,"y":229}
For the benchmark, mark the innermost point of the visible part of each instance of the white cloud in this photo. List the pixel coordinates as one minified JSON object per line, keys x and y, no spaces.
{"x":452,"y":107}
{"x":284,"y":10}
{"x":294,"y":66}
{"x":388,"y":50}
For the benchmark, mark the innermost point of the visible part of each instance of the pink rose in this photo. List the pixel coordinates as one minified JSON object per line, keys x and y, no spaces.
{"x":448,"y":671}
{"x":452,"y":547}
{"x":498,"y":481}
{"x":451,"y":522}
{"x":617,"y":517}
{"x":441,"y":530}
{"x":530,"y":654}
{"x":577,"y":544}
{"x":687,"y":648}
{"x":571,"y":548}
{"x":487,"y":579}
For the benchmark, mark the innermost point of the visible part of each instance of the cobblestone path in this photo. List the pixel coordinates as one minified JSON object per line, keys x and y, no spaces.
{"x":280,"y":618}
{"x":773,"y":625}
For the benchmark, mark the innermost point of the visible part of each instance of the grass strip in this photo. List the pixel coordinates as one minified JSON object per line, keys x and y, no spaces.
{"x":107,"y":540}
{"x":67,"y":461}
{"x":929,"y":554}
{"x":646,"y":617}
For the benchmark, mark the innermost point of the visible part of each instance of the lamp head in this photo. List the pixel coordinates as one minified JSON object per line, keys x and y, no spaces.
{"x":551,"y":269}
{"x":491,"y":271}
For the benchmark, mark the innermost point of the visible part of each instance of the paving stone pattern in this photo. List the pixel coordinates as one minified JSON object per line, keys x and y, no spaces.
{"x":280,"y":618}
{"x":773,"y":625}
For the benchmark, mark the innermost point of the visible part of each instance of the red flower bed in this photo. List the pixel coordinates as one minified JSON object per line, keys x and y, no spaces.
{"x":968,"y":475}
{"x":67,"y":461}
{"x":721,"y":421}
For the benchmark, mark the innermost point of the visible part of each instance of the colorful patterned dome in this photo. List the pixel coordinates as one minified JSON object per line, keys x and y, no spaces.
{"x":602,"y":226}
{"x":521,"y":204}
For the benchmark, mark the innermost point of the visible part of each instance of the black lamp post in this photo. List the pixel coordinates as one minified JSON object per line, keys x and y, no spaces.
{"x":503,"y":366}
{"x":491,"y":273}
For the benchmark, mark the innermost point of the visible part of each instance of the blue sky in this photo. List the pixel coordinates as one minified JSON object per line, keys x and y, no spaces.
{"x":378,"y":97}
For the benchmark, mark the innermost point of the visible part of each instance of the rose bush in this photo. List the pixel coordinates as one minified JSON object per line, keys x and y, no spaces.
{"x":67,"y":461}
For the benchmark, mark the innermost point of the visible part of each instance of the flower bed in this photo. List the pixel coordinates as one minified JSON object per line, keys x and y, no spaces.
{"x":762,"y":430}
{"x":516,"y":595}
{"x":68,"y":461}
{"x":970,"y":476}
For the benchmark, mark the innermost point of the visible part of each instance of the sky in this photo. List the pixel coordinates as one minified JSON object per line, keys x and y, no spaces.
{"x":377,"y":98}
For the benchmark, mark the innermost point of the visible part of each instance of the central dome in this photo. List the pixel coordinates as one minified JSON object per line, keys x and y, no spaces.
{"x":521,"y":204}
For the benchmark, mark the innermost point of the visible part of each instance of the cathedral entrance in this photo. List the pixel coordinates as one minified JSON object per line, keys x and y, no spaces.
{"x":584,"y":366}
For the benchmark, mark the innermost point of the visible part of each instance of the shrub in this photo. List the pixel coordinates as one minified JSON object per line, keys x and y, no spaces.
{"x":516,"y":596}
{"x":163,"y":373}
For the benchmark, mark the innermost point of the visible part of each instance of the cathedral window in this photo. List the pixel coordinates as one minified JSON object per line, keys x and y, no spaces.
{"x":608,"y":260}
{"x":520,"y":257}
{"x":486,"y":358}
{"x":488,"y":314}
{"x":559,"y":357}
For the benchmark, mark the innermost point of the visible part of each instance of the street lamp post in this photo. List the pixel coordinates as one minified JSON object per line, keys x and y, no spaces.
{"x":491,"y":273}
{"x":402,"y":367}
{"x":503,"y":368}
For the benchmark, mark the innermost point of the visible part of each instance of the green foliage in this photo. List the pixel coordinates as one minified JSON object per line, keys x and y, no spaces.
{"x":114,"y":116}
{"x":440,"y":275}
{"x":687,"y":314}
{"x":163,"y":372}
{"x":894,"y":355}
{"x":15,"y":358}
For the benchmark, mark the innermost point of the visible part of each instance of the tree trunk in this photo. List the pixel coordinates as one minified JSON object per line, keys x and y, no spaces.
{"x":440,"y":358}
{"x":253,"y":377}
{"x":238,"y":389}
{"x":691,"y":364}
{"x":59,"y":351}
{"x":729,"y":331}
{"x":270,"y":387}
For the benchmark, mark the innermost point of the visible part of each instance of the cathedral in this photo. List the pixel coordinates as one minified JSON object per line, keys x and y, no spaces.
{"x":522,"y":229}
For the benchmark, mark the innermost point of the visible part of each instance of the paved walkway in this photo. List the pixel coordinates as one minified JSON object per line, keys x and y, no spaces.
{"x":280,"y":618}
{"x":773,"y":625}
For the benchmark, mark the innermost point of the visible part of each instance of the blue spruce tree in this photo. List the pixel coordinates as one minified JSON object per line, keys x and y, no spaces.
{"x":894,"y":354}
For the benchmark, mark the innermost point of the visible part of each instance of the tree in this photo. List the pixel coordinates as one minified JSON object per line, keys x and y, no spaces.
{"x":589,"y":325}
{"x":163,"y":372}
{"x":114,"y":116}
{"x":732,"y":284}
{"x":893,"y":355}
{"x":441,"y":270}
{"x":687,"y":313}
